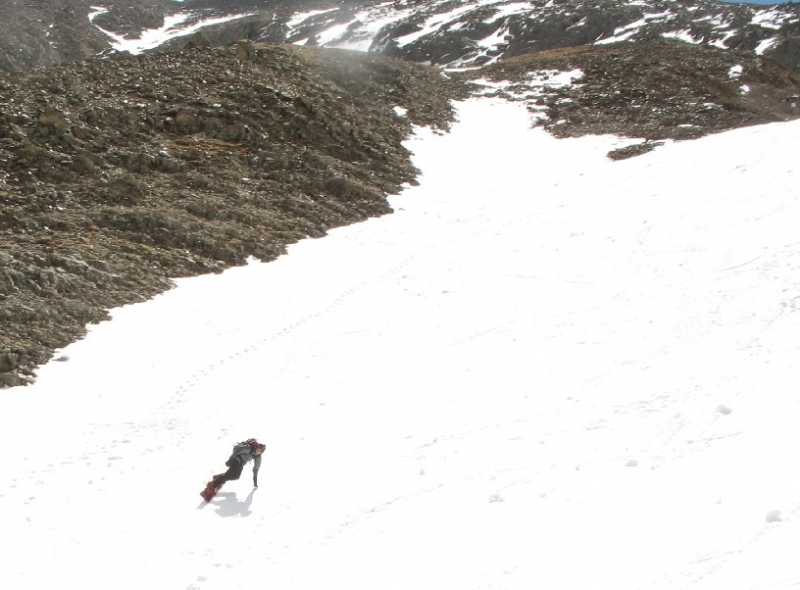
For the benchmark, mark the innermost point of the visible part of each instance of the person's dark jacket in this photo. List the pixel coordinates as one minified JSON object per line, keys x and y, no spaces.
{"x":243,"y":454}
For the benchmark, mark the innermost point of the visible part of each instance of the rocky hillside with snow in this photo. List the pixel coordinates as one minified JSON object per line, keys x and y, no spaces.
{"x":440,"y":32}
{"x":478,"y":32}
{"x":653,"y":90}
{"x":147,"y":139}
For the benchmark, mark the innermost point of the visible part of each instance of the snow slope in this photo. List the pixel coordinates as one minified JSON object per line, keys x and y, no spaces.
{"x":180,"y":24}
{"x":545,"y":370}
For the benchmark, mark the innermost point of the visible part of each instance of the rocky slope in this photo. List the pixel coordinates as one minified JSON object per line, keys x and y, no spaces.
{"x":653,"y":90}
{"x":118,"y":174}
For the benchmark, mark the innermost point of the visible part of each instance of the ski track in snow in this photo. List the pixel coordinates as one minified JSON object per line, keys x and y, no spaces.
{"x":563,"y":371}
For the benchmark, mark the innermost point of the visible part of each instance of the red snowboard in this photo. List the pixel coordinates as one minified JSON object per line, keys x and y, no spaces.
{"x":210,"y":491}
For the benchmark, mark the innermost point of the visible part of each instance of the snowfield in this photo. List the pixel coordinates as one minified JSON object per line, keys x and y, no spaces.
{"x":545,"y":370}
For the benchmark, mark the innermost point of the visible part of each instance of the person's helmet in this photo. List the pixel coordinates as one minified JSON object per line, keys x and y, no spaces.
{"x":260,"y":447}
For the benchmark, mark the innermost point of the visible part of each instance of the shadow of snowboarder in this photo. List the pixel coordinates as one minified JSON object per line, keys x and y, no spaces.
{"x":230,"y":505}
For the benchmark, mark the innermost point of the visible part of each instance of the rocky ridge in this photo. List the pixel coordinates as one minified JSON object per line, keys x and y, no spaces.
{"x":439,"y":32}
{"x":479,"y":33}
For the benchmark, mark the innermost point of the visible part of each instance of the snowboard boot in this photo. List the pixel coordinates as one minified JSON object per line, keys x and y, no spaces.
{"x":208,"y":493}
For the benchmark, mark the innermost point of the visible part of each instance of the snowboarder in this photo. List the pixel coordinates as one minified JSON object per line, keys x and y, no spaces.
{"x":243,"y":453}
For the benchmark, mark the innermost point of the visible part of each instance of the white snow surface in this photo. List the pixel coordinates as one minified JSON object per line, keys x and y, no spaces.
{"x":765,"y":45}
{"x":770,"y":18}
{"x":176,"y":25}
{"x":544,"y":370}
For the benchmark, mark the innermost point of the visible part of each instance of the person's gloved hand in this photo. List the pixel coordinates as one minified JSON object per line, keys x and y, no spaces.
{"x":255,"y":480}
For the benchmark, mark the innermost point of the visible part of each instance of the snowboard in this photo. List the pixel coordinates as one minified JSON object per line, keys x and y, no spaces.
{"x":210,"y":491}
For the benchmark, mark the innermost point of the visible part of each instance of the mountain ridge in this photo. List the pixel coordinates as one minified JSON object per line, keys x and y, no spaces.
{"x":445,"y":32}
